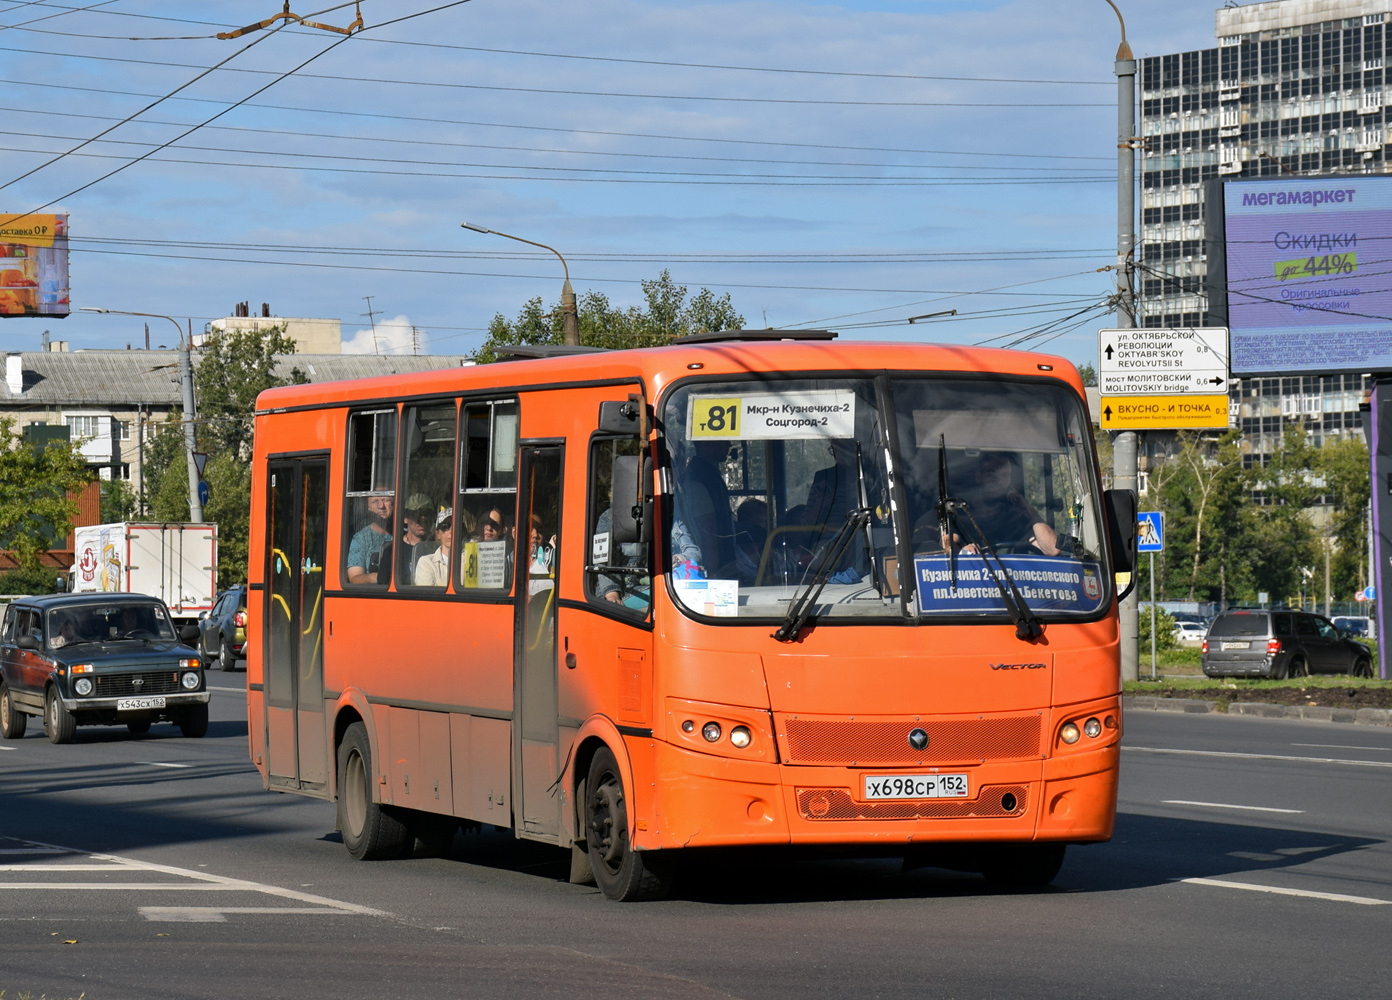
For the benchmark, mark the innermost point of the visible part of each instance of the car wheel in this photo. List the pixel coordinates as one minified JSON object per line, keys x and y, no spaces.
{"x":12,"y":721}
{"x":621,"y":873}
{"x":227,"y":659}
{"x":59,"y":724}
{"x":1363,"y":667}
{"x":371,"y":831}
{"x":193,"y":723}
{"x":139,"y":728}
{"x":1298,"y":667}
{"x":1023,"y":866}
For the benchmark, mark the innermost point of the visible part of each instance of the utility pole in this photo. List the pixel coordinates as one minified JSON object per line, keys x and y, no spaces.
{"x":1124,"y":446}
{"x":372,"y":319}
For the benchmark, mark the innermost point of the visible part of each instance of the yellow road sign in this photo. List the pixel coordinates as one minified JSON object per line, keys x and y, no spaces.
{"x":1167,"y":412}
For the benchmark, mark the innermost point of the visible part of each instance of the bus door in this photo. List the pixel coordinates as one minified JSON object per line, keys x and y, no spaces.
{"x":297,"y":510}
{"x":536,"y":797}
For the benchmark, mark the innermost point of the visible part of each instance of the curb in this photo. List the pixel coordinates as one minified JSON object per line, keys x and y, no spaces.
{"x":1262,"y":710}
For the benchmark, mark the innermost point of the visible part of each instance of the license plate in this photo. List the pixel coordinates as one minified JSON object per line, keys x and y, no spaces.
{"x":136,"y":704}
{"x":915,"y":786}
{"x":1237,"y":645}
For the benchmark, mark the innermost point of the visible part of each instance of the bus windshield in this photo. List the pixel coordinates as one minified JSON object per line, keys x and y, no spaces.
{"x":783,"y":486}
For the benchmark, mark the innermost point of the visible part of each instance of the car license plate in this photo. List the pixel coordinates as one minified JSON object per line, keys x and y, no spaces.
{"x":1237,"y":645}
{"x":915,"y":786}
{"x":136,"y":704}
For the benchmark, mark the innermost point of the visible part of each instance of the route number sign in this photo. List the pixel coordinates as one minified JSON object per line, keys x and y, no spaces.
{"x":780,"y":416}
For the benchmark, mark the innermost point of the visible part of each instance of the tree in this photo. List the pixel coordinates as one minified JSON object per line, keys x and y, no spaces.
{"x":1344,"y":468}
{"x":36,"y":483}
{"x":118,"y":501}
{"x":665,"y":315}
{"x":1284,"y":539}
{"x":1088,"y":373}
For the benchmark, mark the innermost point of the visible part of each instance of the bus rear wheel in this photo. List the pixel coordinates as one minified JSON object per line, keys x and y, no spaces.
{"x":1023,"y":866}
{"x":371,"y":831}
{"x":622,"y":874}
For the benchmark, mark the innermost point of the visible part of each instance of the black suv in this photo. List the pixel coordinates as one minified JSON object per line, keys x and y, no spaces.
{"x":98,"y":659}
{"x":1280,"y":644}
{"x":223,"y":629}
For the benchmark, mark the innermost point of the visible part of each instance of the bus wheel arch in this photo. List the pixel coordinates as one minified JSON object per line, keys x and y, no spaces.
{"x":596,"y":734}
{"x":371,"y":831}
{"x":622,"y":872}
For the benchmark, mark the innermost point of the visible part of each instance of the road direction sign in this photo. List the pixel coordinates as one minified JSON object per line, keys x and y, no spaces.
{"x":1150,"y":526}
{"x":1156,"y":362}
{"x":203,"y":493}
{"x":200,"y":462}
{"x":1123,"y":413}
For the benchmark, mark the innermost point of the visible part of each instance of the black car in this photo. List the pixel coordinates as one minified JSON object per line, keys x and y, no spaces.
{"x":1281,"y":644}
{"x":223,"y":635}
{"x":98,"y":659}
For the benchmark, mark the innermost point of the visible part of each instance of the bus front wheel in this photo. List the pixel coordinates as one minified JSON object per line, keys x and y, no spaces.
{"x":370,"y":830}
{"x":621,"y":873}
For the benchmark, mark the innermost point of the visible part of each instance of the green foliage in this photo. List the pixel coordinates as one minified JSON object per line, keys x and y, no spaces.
{"x":1164,"y":631}
{"x":665,"y":315}
{"x":118,"y":501}
{"x":1202,"y":490}
{"x":1088,"y":373}
{"x":35,"y":506}
{"x":37,"y":580}
{"x":1344,"y":467}
{"x":233,"y":368}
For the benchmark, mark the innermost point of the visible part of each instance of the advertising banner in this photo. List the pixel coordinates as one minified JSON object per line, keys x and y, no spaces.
{"x":33,"y":265}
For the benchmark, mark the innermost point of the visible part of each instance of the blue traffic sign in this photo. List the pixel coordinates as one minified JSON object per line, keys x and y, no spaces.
{"x":1150,"y":528}
{"x":203,"y":493}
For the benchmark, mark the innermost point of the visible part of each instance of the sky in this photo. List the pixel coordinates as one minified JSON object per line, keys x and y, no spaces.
{"x":840,"y":165}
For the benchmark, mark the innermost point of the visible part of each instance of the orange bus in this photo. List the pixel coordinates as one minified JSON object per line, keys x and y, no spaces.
{"x":752,"y":588}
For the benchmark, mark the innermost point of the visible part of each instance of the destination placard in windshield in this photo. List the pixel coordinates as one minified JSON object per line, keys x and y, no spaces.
{"x":1045,"y":584}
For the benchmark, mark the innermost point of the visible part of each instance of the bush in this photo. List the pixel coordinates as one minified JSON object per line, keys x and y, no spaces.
{"x":1164,"y":631}
{"x":29,"y":581}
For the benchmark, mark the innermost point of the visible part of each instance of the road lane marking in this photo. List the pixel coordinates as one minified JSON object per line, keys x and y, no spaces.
{"x":1262,"y":756}
{"x":159,"y":763}
{"x":1228,"y":805}
{"x":1333,"y":897}
{"x":63,"y":868}
{"x":8,"y":748}
{"x":218,"y":914}
{"x":1340,"y":746}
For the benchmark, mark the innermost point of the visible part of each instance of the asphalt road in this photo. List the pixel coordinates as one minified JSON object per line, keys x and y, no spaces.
{"x":1250,"y":860}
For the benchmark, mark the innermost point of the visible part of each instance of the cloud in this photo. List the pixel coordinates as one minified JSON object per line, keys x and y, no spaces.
{"x":392,"y":336}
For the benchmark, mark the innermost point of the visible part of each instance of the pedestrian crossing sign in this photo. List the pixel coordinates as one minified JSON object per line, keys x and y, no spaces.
{"x":1150,"y":531}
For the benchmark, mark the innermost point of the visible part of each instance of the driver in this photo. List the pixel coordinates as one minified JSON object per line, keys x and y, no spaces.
{"x":1003,"y":514}
{"x":67,"y":633}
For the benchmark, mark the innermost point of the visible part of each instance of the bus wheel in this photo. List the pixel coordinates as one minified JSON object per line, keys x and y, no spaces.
{"x":1023,"y":866}
{"x":12,"y":721}
{"x":59,"y":723}
{"x":621,"y":873}
{"x":370,"y":831}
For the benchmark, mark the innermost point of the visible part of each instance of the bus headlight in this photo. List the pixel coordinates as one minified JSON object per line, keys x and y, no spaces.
{"x":1069,"y":733}
{"x":83,"y":685}
{"x":741,"y":737}
{"x":1093,"y":728}
{"x":189,"y":681}
{"x":711,"y":731}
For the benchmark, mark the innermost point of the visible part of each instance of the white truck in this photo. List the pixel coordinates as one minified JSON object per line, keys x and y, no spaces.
{"x":175,"y":562}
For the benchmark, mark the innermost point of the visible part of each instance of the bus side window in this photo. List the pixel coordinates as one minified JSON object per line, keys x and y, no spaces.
{"x":371,"y":498}
{"x":427,"y":527}
{"x":485,"y":530}
{"x":626,"y":579}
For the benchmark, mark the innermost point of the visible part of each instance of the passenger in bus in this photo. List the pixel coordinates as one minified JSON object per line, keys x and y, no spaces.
{"x":370,"y":550}
{"x":1001,"y":511}
{"x":433,"y":570}
{"x":751,"y":534}
{"x":419,"y":512}
{"x":706,"y":506}
{"x":541,"y":560}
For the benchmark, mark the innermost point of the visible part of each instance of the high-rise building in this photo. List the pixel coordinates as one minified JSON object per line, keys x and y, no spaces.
{"x":1292,"y":87}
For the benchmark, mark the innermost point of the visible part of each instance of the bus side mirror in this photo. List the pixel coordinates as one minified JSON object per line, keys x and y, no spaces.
{"x":632,"y":517}
{"x":621,"y":416}
{"x":1121,"y":538}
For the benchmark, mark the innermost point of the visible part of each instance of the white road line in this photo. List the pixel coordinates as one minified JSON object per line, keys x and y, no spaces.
{"x":1341,"y":746}
{"x":64,"y":868}
{"x":228,"y":690}
{"x":1227,"y":805}
{"x":218,"y":914}
{"x":1333,"y":897}
{"x":8,"y":748}
{"x":1262,"y":756}
{"x":159,"y":763}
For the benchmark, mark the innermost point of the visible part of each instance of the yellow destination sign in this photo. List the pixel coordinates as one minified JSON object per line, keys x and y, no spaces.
{"x":1162,"y":412}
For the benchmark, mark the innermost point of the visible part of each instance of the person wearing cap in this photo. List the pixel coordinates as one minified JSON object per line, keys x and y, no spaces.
{"x":417,"y":520}
{"x":433,"y":570}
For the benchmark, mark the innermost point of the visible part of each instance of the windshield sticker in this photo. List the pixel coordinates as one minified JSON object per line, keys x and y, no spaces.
{"x":599,"y":547}
{"x":1045,"y":584}
{"x":484,"y":565}
{"x":716,"y":598}
{"x":772,"y":416}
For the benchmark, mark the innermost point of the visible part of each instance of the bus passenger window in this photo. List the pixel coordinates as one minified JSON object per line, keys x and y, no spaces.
{"x":428,"y":442}
{"x":621,"y":575}
{"x":485,"y":532}
{"x":371,"y":496}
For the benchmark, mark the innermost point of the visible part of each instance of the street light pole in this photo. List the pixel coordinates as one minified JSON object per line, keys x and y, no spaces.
{"x":570,"y":317}
{"x":186,"y":380}
{"x":1124,"y":445}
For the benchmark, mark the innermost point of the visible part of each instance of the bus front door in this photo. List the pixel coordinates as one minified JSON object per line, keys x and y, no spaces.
{"x":535,"y":790}
{"x":297,"y":511}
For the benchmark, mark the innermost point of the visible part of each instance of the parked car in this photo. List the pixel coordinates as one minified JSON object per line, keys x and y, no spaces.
{"x":98,"y":659}
{"x":1189,"y":634}
{"x":222,"y":631}
{"x":1354,"y":625}
{"x":1281,"y":644}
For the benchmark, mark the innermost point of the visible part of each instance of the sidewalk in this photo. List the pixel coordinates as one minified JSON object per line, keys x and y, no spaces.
{"x":1308,"y":713}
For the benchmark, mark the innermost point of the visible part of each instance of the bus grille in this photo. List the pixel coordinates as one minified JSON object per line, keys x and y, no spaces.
{"x":836,"y":803}
{"x":877,"y":743}
{"x":123,"y":685}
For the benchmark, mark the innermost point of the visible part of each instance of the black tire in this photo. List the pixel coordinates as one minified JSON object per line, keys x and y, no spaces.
{"x":622,"y":874}
{"x":1363,"y":667}
{"x":59,"y":724}
{"x":371,"y":831}
{"x":12,"y":721}
{"x":226,"y":658}
{"x":193,"y":722}
{"x":139,"y":728}
{"x":1298,"y":667}
{"x":1023,"y":866}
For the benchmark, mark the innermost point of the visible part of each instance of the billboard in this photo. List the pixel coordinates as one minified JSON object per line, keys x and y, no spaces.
{"x":33,"y":265}
{"x":1302,"y":267}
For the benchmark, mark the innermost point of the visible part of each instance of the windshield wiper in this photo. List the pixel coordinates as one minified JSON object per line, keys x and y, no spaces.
{"x":801,"y":608}
{"x":1027,"y":624}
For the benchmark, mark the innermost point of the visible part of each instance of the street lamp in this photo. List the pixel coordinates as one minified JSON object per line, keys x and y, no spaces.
{"x":570,"y":318}
{"x":186,"y":380}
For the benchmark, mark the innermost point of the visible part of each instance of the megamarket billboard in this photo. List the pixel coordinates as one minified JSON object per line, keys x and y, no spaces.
{"x":1305,"y":265}
{"x":33,"y":265}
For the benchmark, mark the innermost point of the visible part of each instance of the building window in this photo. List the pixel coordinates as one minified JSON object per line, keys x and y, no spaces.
{"x":125,"y":430}
{"x":84,"y":427}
